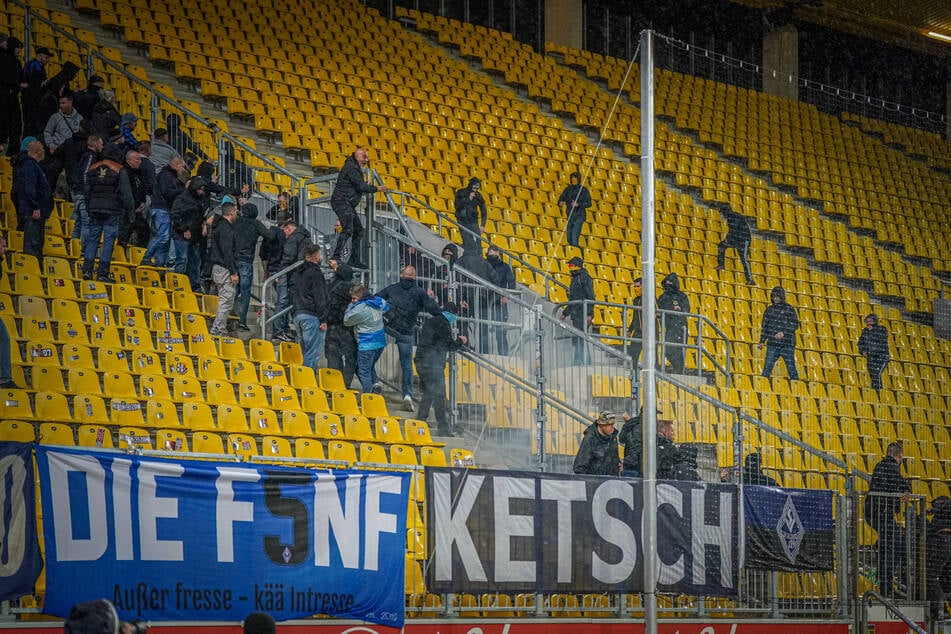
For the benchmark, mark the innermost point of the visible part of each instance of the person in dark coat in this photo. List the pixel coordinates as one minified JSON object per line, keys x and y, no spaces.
{"x":350,"y":187}
{"x":752,"y":472}
{"x":85,"y":100}
{"x":309,"y":296}
{"x":480,"y":301}
{"x":296,"y":238}
{"x":104,"y":206}
{"x":672,"y":324}
{"x":33,"y":196}
{"x":450,"y":253}
{"x":133,"y":190}
{"x":471,"y":215}
{"x":187,"y":217}
{"x":435,"y":341}
{"x":34,"y":78}
{"x":11,"y":81}
{"x":598,"y":452}
{"x":674,"y":462}
{"x":504,"y":278}
{"x":576,"y":200}
{"x":579,"y":310}
{"x":880,"y":511}
{"x":184,"y":145}
{"x":738,"y":238}
{"x":105,"y":118}
{"x":631,"y":437}
{"x":168,"y":187}
{"x":780,"y":323}
{"x":407,"y":299}
{"x":247,"y":230}
{"x":224,"y":267}
{"x":938,"y":556}
{"x":635,"y":331}
{"x":77,"y":154}
{"x":341,"y":345}
{"x":873,"y":345}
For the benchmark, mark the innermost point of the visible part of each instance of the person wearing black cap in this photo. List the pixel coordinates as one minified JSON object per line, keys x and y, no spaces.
{"x":598,"y":452}
{"x":35,"y":78}
{"x":348,"y":190}
{"x":880,"y":510}
{"x":737,"y":238}
{"x":780,"y":323}
{"x":259,"y":623}
{"x":92,"y":617}
{"x":435,"y":341}
{"x":673,"y":321}
{"x":11,"y":78}
{"x":247,"y":230}
{"x":580,"y":309}
{"x":471,"y":214}
{"x":873,"y":345}
{"x":340,"y":345}
{"x":576,"y":200}
{"x":85,"y":100}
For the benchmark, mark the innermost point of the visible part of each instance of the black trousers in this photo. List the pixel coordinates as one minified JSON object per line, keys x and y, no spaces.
{"x":340,"y":348}
{"x":11,"y":122}
{"x":351,"y":230}
{"x":432,"y":384}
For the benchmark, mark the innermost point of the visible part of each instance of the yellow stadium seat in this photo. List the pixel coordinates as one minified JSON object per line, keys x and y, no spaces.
{"x":301,"y":376}
{"x":231,"y":418}
{"x":50,"y":406}
{"x":242,"y":445}
{"x":417,"y":433}
{"x":342,"y":401}
{"x":56,"y":434}
{"x":341,"y":450}
{"x":262,"y":350}
{"x":276,"y":447}
{"x":271,"y":373}
{"x":242,"y":371}
{"x":207,"y":442}
{"x":17,"y":431}
{"x":309,"y":448}
{"x":94,"y":436}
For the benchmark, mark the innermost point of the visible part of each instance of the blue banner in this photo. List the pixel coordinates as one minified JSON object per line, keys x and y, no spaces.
{"x":20,"y":561}
{"x":789,"y":529}
{"x":203,"y":541}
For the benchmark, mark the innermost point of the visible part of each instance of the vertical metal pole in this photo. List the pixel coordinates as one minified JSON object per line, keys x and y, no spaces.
{"x":648,"y":306}
{"x":540,"y":419}
{"x":842,"y":554}
{"x":27,"y":34}
{"x":153,"y":109}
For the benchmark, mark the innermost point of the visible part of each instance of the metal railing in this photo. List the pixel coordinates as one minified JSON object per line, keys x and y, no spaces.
{"x":892,"y":609}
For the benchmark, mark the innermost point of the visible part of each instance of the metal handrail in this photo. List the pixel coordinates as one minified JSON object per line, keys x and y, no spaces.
{"x":872,"y":594}
{"x":263,"y":319}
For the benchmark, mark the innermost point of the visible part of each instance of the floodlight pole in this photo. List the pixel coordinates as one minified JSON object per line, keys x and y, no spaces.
{"x":648,"y":308}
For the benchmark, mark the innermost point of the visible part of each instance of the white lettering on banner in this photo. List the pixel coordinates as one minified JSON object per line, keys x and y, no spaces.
{"x":452,"y":526}
{"x":508,"y":526}
{"x":227,"y":511}
{"x":669,"y":574}
{"x":343,"y":520}
{"x":564,"y":492}
{"x":713,"y":535}
{"x":614,"y":531}
{"x":153,"y":508}
{"x":122,"y":508}
{"x":12,"y":534}
{"x":376,"y":521}
{"x":69,"y":548}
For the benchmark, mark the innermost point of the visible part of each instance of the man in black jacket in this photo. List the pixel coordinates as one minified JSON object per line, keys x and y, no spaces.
{"x":880,"y":510}
{"x":133,"y":189}
{"x":33,"y":197}
{"x":674,"y":462}
{"x":752,"y":472}
{"x":11,"y":79}
{"x":407,"y":299}
{"x":224,"y":268}
{"x":104,"y":205}
{"x":579,"y":310}
{"x":89,"y":152}
{"x":341,"y":345}
{"x":85,"y":100}
{"x":597,"y":454}
{"x":344,"y":200}
{"x":471,"y":214}
{"x":504,"y":278}
{"x":938,"y":555}
{"x":873,"y":345}
{"x":737,"y":238}
{"x":435,"y":340}
{"x":635,"y":330}
{"x":292,"y":250}
{"x":188,"y":221}
{"x":780,"y":323}
{"x":168,"y":186}
{"x":576,"y":200}
{"x":309,"y":295}
{"x":480,"y":301}
{"x":247,"y":230}
{"x":673,"y":322}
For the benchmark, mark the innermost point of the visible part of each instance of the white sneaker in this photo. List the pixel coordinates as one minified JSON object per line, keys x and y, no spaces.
{"x":408,"y":403}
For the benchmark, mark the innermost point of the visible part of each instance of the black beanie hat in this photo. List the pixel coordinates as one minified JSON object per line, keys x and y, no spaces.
{"x":92,"y":617}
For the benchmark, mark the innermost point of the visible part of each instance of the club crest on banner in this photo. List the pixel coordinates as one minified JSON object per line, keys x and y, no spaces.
{"x":790,"y":530}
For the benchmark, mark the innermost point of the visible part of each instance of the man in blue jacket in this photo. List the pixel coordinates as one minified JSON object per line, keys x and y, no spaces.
{"x":407,"y":299}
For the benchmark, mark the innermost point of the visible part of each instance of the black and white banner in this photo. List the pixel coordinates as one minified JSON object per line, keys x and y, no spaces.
{"x":492,"y":531}
{"x":20,"y":561}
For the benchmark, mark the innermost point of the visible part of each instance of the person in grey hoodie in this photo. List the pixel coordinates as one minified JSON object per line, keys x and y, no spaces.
{"x":162,"y":151}
{"x":365,"y":315}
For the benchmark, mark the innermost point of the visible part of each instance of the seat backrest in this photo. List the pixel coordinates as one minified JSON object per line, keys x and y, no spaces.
{"x":341,"y":450}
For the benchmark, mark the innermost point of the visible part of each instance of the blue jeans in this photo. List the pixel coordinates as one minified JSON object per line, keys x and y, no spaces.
{"x":245,"y":279}
{"x":404,"y":344}
{"x":366,"y":367}
{"x":107,"y":227}
{"x":6,"y":365}
{"x":157,"y":252}
{"x":788,"y":353}
{"x":573,"y":230}
{"x":311,"y":337}
{"x":283,"y":301}
{"x":34,"y":236}
{"x":188,"y":261}
{"x":80,"y":216}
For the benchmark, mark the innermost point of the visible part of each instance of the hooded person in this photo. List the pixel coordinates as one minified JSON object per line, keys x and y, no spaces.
{"x":778,"y":333}
{"x":340,"y":345}
{"x":938,"y":556}
{"x":31,"y":97}
{"x":873,"y":345}
{"x":598,"y":452}
{"x":635,"y":330}
{"x":450,"y":253}
{"x":673,"y":323}
{"x":92,"y":617}
{"x":752,"y":472}
{"x":504,"y":278}
{"x":365,"y":316}
{"x":407,"y":300}
{"x":187,"y":216}
{"x":85,"y":100}
{"x":436,"y":340}
{"x":738,"y":238}
{"x":11,"y":76}
{"x":471,"y":214}
{"x":576,"y":199}
{"x":481,"y":301}
{"x":105,"y":117}
{"x":579,"y":310}
{"x":247,"y":230}
{"x":56,"y":86}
